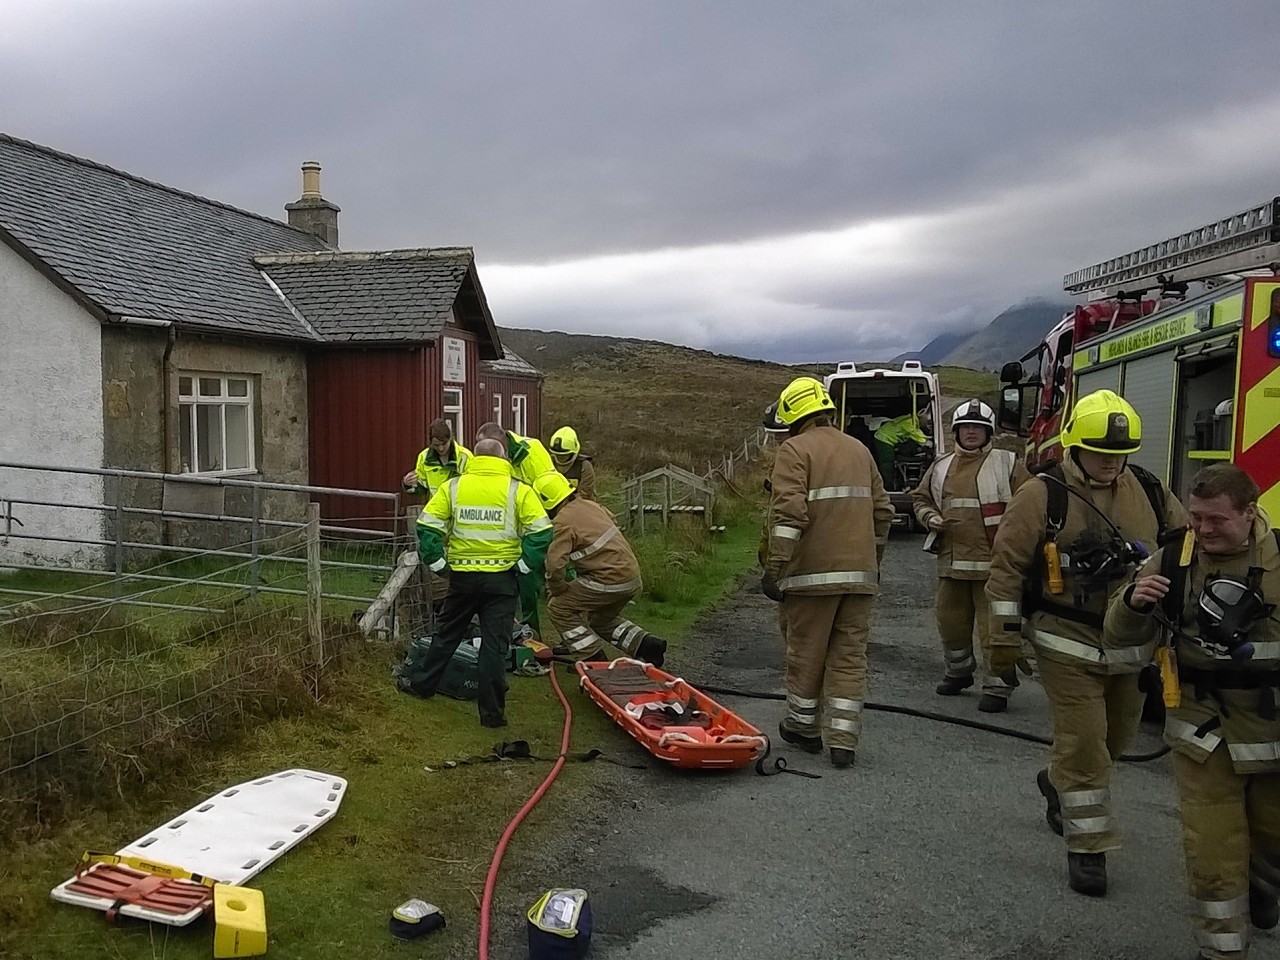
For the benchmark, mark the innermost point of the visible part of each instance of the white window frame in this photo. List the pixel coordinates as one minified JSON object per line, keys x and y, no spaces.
{"x":519,"y":413}
{"x":188,"y":406}
{"x":452,"y":411}
{"x":497,"y":409}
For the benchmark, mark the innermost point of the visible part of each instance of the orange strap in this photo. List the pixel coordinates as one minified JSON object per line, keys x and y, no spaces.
{"x":124,"y":885}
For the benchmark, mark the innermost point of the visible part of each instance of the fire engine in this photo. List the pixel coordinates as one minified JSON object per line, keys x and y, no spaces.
{"x":1188,"y":331}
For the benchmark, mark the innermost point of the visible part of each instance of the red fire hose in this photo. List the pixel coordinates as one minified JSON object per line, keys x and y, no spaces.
{"x":491,"y":879}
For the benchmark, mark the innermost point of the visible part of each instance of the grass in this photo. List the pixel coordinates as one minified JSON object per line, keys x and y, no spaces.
{"x":402,"y":831}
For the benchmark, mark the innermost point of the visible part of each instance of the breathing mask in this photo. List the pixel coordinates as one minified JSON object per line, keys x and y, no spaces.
{"x":1227,"y":610}
{"x":1096,"y":561}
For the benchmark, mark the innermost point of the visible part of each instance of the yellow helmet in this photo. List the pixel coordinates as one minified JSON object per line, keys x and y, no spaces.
{"x":552,"y":489}
{"x":802,"y":397}
{"x":1104,"y":422}
{"x":564,"y":445}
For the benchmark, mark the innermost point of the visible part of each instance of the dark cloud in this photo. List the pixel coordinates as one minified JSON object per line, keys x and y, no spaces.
{"x":1027,"y":139}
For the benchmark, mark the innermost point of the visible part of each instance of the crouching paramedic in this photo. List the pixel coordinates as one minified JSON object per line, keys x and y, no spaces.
{"x":487,"y":528}
{"x":830,"y":519}
{"x":961,"y":500}
{"x":1072,"y":535}
{"x":1210,"y":599}
{"x":587,"y":610}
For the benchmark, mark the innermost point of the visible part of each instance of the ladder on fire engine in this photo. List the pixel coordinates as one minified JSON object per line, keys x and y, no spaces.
{"x":1249,"y":240}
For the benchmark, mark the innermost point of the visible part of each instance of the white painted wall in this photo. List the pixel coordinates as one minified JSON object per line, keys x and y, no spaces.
{"x":50,"y":413}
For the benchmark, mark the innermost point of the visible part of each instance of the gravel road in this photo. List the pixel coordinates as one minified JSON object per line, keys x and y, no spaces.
{"x":933,"y":846}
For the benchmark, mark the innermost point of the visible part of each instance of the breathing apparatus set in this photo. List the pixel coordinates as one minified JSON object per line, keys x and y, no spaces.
{"x":1225,"y":612}
{"x":1093,"y":560}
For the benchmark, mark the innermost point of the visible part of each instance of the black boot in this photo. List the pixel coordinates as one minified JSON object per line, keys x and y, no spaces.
{"x":990,"y":703}
{"x":841,"y":757}
{"x":1264,"y":911}
{"x":951,"y":686}
{"x":652,"y":650}
{"x":807,"y":744}
{"x":1087,"y":873}
{"x":1052,"y":808}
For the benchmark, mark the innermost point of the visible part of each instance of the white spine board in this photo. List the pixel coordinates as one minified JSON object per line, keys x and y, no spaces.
{"x":232,"y":836}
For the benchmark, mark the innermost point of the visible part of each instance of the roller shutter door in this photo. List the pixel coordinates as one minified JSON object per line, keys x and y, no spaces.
{"x":1148,"y":385}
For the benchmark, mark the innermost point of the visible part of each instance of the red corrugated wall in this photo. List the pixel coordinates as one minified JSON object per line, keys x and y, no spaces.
{"x":365,"y":429}
{"x":368,"y":413}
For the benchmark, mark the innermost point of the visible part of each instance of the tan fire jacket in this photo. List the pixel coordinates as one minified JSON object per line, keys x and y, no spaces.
{"x":829,"y":514}
{"x":975,"y":489}
{"x":582,"y":478}
{"x":1252,"y":740}
{"x":1070,"y":629}
{"x":585,"y":536}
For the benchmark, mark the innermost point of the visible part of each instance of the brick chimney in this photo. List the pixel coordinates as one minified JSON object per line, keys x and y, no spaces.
{"x":312,"y":212}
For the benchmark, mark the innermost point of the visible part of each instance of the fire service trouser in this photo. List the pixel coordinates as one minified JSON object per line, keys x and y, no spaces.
{"x":1094,"y":718}
{"x":827,"y":665}
{"x":961,"y":609}
{"x":1230,"y":831}
{"x":583,"y":619}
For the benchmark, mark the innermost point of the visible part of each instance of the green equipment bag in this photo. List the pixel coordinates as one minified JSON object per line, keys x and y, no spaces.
{"x":461,"y":678}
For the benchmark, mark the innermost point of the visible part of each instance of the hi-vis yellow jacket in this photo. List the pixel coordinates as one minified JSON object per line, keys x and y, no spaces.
{"x":433,"y":474}
{"x":484,"y":521}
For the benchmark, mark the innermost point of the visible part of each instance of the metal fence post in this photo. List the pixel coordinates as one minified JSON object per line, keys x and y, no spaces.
{"x":119,"y":524}
{"x":314,"y":628}
{"x":255,"y":532}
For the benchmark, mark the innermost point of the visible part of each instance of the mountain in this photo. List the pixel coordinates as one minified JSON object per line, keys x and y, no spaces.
{"x":1007,"y":337}
{"x":935,"y":350}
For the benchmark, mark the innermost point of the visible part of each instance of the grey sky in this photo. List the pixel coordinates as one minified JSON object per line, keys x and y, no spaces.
{"x":799,"y":181}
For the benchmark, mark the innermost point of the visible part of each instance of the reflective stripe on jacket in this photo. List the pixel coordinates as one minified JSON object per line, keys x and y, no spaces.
{"x":587,"y":539}
{"x":829,"y":514}
{"x":970,"y":490}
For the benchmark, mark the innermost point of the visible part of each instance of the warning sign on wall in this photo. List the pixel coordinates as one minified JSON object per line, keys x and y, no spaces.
{"x":455,"y":360}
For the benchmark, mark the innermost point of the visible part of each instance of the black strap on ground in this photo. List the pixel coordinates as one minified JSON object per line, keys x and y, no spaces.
{"x":520,"y":750}
{"x":938,"y":717}
{"x":779,"y":765}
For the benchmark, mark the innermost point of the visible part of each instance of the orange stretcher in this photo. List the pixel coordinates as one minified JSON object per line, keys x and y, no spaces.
{"x":671,"y":719}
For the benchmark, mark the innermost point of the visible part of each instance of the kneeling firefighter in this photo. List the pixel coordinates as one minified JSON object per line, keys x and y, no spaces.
{"x":587,"y":609}
{"x":960,"y":501}
{"x":1211,"y":600}
{"x":1069,"y":540}
{"x":830,"y":518}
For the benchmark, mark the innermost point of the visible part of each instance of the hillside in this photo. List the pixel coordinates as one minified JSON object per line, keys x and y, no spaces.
{"x":1007,"y":337}
{"x":640,"y":403}
{"x":936,"y":350}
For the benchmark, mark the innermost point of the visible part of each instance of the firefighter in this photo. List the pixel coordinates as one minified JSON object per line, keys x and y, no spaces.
{"x":830,"y":520}
{"x":1072,"y":537}
{"x":1224,"y":732}
{"x":960,"y":501}
{"x":486,"y":528}
{"x":894,"y":434}
{"x":566,"y":453}
{"x":592,"y":574}
{"x":442,"y":460}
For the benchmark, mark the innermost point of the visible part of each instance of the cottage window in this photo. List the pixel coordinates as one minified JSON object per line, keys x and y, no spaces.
{"x":519,"y":421}
{"x":453,"y":410}
{"x":497,"y":409}
{"x":215,"y":423}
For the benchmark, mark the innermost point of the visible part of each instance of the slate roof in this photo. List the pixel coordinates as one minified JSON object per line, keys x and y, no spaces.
{"x":389,"y":296}
{"x":512,"y":365}
{"x":137,"y":248}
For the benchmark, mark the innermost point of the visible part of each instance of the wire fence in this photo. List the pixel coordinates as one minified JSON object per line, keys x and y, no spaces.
{"x":129,"y":639}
